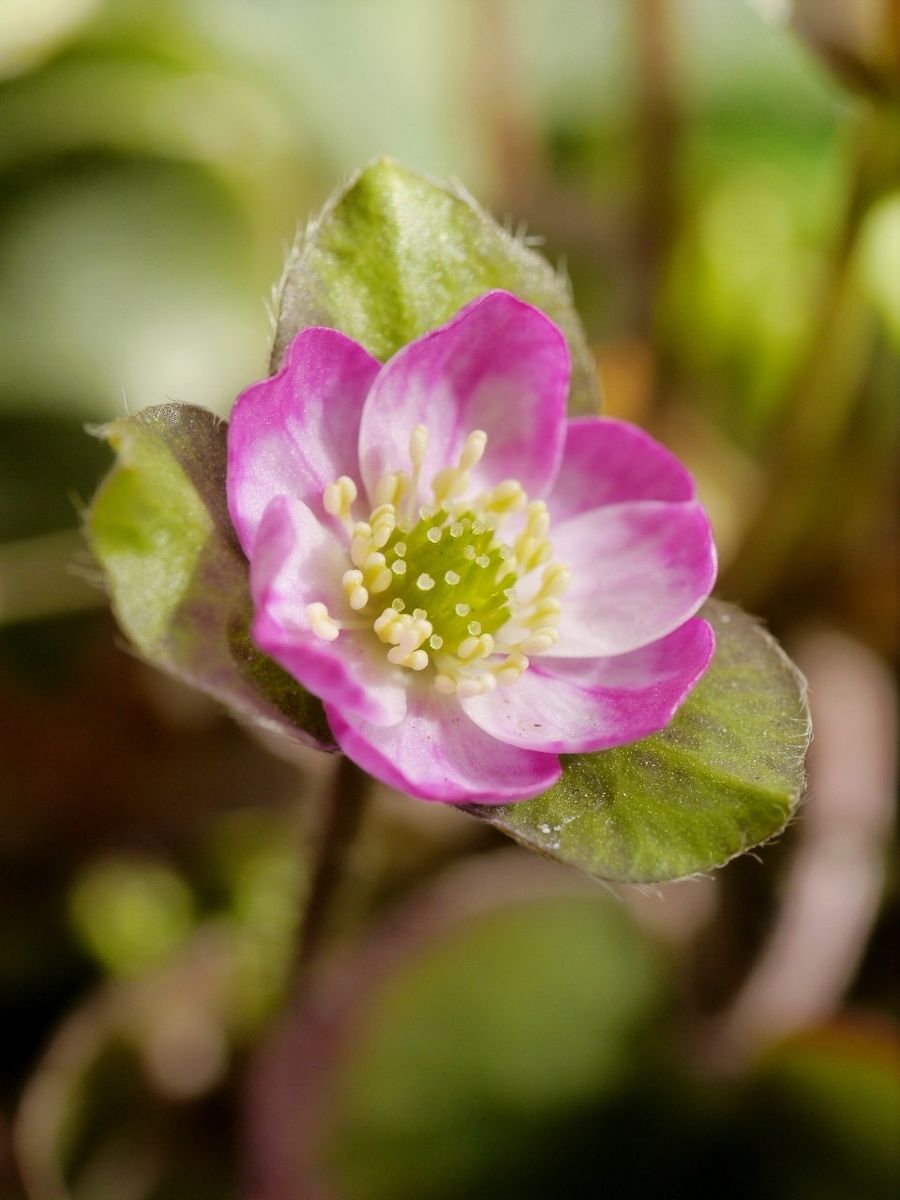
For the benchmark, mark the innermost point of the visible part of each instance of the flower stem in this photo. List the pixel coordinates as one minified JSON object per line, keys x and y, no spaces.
{"x":341,"y":819}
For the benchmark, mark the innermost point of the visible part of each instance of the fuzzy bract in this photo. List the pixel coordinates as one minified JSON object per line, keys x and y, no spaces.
{"x":471,"y":583}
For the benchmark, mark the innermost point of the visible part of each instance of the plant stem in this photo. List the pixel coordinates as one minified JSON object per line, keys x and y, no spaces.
{"x":341,"y":819}
{"x":658,"y":138}
{"x":808,"y":446}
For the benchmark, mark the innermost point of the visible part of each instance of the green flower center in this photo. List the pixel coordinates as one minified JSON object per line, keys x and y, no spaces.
{"x":453,"y":566}
{"x":437,"y":585}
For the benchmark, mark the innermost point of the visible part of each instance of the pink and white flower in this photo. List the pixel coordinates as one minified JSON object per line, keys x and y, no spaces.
{"x":472,"y":583}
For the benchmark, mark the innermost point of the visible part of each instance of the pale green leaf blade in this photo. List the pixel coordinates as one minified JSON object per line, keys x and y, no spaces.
{"x":177,"y":578}
{"x":724,"y":776}
{"x":396,"y":254}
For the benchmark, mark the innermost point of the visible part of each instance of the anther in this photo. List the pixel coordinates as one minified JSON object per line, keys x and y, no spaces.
{"x":540,"y":642}
{"x":473,"y":449}
{"x":339,"y":496}
{"x":390,"y":488}
{"x":321,"y":622}
{"x":356,"y":594}
{"x":418,"y":445}
{"x":468,"y":647}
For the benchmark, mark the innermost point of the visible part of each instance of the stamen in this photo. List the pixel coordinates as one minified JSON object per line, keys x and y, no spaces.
{"x":418,"y":446}
{"x":357,"y":596}
{"x":492,"y":631}
{"x":473,"y":449}
{"x":321,"y":622}
{"x":360,"y":543}
{"x":540,"y":642}
{"x":507,"y":497}
{"x":390,"y":487}
{"x":338,"y":498}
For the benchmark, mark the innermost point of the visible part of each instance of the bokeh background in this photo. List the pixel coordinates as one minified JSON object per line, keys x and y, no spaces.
{"x":722,"y":181}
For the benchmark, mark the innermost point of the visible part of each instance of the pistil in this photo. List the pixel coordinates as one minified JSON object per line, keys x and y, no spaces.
{"x":436,"y":584}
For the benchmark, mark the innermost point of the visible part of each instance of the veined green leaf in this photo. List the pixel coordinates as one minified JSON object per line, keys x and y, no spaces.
{"x":395,"y":254}
{"x":159,"y":526}
{"x":725,"y":775}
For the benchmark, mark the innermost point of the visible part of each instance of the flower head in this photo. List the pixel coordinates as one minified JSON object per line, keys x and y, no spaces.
{"x":472,"y":583}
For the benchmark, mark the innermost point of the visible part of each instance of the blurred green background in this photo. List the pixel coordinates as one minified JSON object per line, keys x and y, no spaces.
{"x":722,"y":182}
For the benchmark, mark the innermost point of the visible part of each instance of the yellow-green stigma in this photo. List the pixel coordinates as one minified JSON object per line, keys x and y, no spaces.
{"x":437,"y":584}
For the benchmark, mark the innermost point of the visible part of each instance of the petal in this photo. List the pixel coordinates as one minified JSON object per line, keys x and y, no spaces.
{"x":574,"y":706}
{"x":639,"y":570}
{"x":498,"y":365}
{"x":297,"y":562}
{"x":436,"y":753}
{"x":607,"y":461}
{"x":295,"y":433}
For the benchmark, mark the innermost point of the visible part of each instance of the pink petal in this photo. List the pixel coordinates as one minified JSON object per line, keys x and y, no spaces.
{"x":639,"y":570}
{"x":570,"y":706}
{"x":437,"y":753}
{"x":295,"y":433}
{"x":606,"y":461}
{"x":498,"y":365}
{"x":296,"y":562}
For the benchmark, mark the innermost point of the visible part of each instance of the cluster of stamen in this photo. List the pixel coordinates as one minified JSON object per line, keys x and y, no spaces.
{"x":435,"y":582}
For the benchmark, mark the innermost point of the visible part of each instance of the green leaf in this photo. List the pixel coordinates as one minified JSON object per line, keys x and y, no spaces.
{"x":480,"y":1045}
{"x":472,"y":1029}
{"x":395,"y":254}
{"x":724,"y":776}
{"x":159,"y":527}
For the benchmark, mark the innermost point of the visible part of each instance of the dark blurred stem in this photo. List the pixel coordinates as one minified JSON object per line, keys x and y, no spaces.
{"x":498,"y":100}
{"x":658,"y":129}
{"x":824,"y":391}
{"x":341,"y":817}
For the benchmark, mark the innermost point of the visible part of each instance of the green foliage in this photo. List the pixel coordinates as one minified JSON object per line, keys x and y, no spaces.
{"x":395,"y":255}
{"x":517,"y":1049}
{"x":474,"y":1047}
{"x":160,"y":528}
{"x":725,"y":775}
